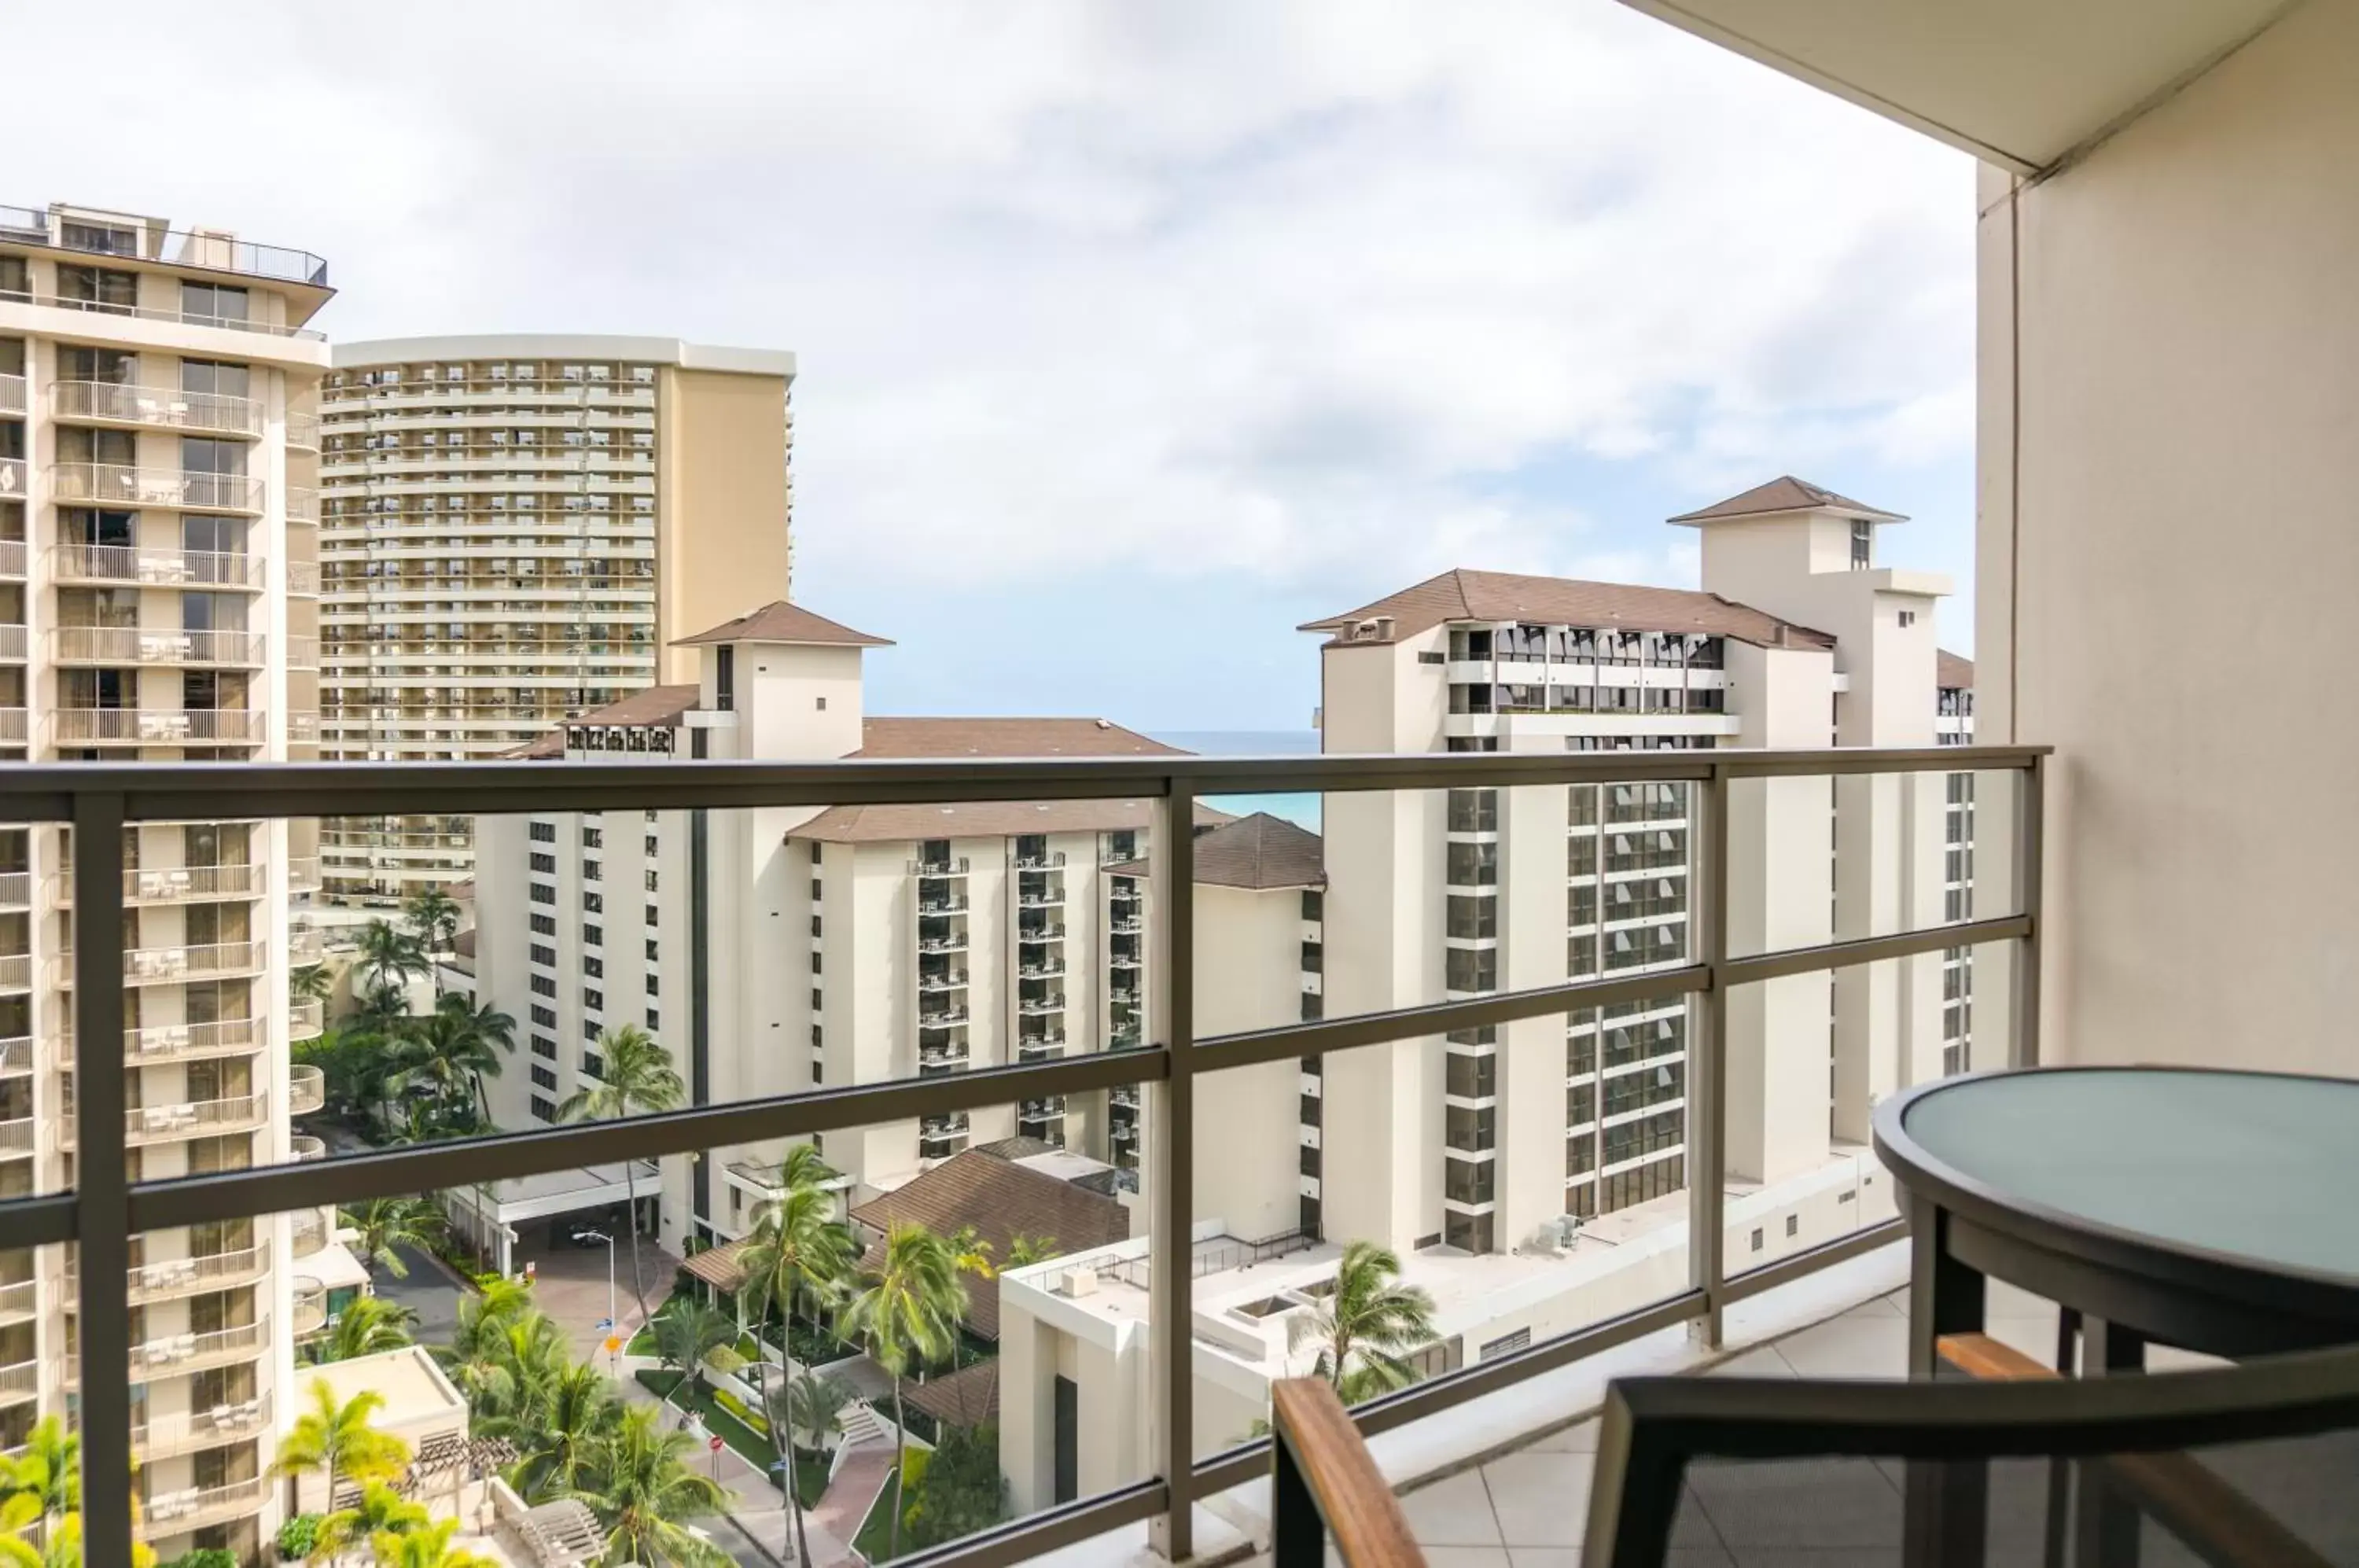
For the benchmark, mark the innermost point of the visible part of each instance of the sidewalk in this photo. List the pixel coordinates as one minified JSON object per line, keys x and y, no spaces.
{"x":756,"y":1507}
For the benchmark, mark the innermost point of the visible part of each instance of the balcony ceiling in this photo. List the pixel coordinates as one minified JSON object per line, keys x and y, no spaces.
{"x":2019,"y":82}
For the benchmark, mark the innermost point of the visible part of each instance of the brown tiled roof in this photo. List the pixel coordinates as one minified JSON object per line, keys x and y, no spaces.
{"x":1005,"y":737}
{"x":1784,"y":493}
{"x":1001,"y":1201}
{"x":1259,"y":851}
{"x":656,"y":705}
{"x":968,"y":1397}
{"x":782,"y":621}
{"x":1952,"y":671}
{"x":982,"y":819}
{"x":717,"y":1266}
{"x":1464,"y":595}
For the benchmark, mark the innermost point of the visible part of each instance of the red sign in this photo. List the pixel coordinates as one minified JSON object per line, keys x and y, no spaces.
{"x":714,"y":1443}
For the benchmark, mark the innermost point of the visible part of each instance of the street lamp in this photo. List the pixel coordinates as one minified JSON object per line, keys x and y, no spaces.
{"x":613,"y":1324}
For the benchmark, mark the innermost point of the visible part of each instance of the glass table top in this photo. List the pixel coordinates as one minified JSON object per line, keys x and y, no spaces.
{"x":2245,"y":1164}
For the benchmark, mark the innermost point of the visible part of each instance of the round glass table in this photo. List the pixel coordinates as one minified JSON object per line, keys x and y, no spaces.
{"x":2218,"y":1211}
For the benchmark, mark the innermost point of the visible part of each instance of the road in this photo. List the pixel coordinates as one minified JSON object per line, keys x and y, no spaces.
{"x":428,"y":1291}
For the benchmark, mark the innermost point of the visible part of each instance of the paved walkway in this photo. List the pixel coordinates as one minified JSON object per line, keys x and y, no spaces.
{"x":569,"y":1285}
{"x":845,"y":1508}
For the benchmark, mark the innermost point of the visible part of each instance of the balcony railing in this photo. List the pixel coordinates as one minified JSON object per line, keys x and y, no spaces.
{"x":160,"y":1043}
{"x":15,"y":890}
{"x":307,"y":1089}
{"x":118,"y":485}
{"x":306,"y":1020}
{"x":930,"y":870}
{"x":19,"y":1380}
{"x":16,"y":971}
{"x":186,"y":1119}
{"x":19,"y":1299}
{"x":103,"y":1216}
{"x":308,"y":1230}
{"x":12,"y":394}
{"x":180,"y":884}
{"x":155,"y":407}
{"x":158,"y":726}
{"x":194,"y":1507}
{"x":14,"y":642}
{"x":169,"y":1277}
{"x":12,"y":550}
{"x":303,"y":1146}
{"x":163,"y":966}
{"x":164,"y":1436}
{"x":154,"y":645}
{"x":311,"y":1305}
{"x":16,"y":1056}
{"x":136,"y":240}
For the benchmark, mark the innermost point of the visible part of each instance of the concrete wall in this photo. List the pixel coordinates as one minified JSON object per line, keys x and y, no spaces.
{"x":2165,"y":546}
{"x":721,"y":512}
{"x":1248,"y":1121}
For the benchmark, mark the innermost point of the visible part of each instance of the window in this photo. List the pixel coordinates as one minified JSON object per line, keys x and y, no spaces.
{"x":593,"y":838}
{"x":652,"y":948}
{"x":1793,"y":1224}
{"x":651,"y":986}
{"x":654,"y":1022}
{"x":1863,"y":545}
{"x":592,"y":871}
{"x":547,"y":955}
{"x":593,"y":903}
{"x":593,"y":1065}
{"x":1313,"y":958}
{"x":543,"y":833}
{"x":1314,"y":904}
{"x":544,"y":1016}
{"x":542,"y":1078}
{"x":1508,"y":1344}
{"x":1908,"y":617}
{"x":594,"y":936}
{"x":543,"y":1046}
{"x":545,"y":864}
{"x":652,"y":887}
{"x":816,"y":1003}
{"x":544,"y":925}
{"x":1471,"y":969}
{"x":594,"y":1000}
{"x":212,"y":302}
{"x":544,"y":986}
{"x":1756,"y":1238}
{"x":593,"y":967}
{"x":655,"y":915}
{"x":1471,"y":916}
{"x":1474,"y":864}
{"x":1469,"y":1180}
{"x":546,"y":1110}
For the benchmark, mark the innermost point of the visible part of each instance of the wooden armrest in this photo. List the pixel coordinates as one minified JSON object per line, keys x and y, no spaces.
{"x":1359,"y":1508}
{"x":2182,"y":1493}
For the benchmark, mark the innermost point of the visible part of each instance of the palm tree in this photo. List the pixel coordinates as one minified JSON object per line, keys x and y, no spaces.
{"x":426,"y":1547}
{"x":471,"y":1358}
{"x":48,"y":1471}
{"x":452,"y":1050}
{"x":815,"y":1410}
{"x":60,"y":1541}
{"x":797,"y":1253}
{"x":391,"y":956}
{"x":1366,"y":1325}
{"x":387,"y":1224}
{"x":579,"y":1414}
{"x":381,"y":1511}
{"x":367,"y":1326}
{"x":685,"y":1334}
{"x":973,"y":1253}
{"x":335,"y":1437}
{"x":908,"y":1312}
{"x":640,"y":1078}
{"x":1024,"y":1250}
{"x":435,"y":917}
{"x":527,"y":1356}
{"x":642,"y":1486}
{"x":312,"y":983}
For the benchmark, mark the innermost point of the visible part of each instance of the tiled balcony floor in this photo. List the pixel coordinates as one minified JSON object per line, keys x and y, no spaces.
{"x":1526,"y":1508}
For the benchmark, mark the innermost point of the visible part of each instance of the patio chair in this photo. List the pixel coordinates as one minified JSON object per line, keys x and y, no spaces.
{"x":2244,"y":1466}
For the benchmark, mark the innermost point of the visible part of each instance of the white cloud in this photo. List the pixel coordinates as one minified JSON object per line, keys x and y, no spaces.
{"x":1216,"y":287}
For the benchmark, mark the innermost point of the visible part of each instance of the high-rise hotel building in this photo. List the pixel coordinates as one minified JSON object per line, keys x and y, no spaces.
{"x":158,"y":602}
{"x":516,"y":531}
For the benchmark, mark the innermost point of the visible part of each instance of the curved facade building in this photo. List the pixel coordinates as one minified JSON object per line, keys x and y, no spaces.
{"x":515,"y":529}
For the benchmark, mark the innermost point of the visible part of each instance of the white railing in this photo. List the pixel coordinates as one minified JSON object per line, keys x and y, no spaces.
{"x":154,"y":645}
{"x":158,"y":407}
{"x":302,"y":431}
{"x":303,"y":652}
{"x":302,"y":1146}
{"x":307,"y":1089}
{"x":12,"y":394}
{"x":19,"y":1299}
{"x":15,"y":641}
{"x":178,"y":1512}
{"x":144,"y":965}
{"x":155,"y":568}
{"x":167,"y":1042}
{"x":306,"y":1020}
{"x":311,"y":1303}
{"x":102,"y":482}
{"x":194,"y":1430}
{"x":15,"y":890}
{"x":186,"y":1119}
{"x":16,"y":971}
{"x":20,"y":1380}
{"x":16,"y":481}
{"x":157,"y":727}
{"x":17,"y":1056}
{"x":12,"y":550}
{"x":308,"y":1230}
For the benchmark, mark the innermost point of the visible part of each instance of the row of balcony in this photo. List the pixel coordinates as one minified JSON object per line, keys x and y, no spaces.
{"x":115,"y":404}
{"x":159,"y":1045}
{"x":178,"y":489}
{"x":188,"y":1118}
{"x":161,"y":1437}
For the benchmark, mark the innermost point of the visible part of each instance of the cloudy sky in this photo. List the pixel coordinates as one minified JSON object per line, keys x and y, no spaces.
{"x":1132,"y":333}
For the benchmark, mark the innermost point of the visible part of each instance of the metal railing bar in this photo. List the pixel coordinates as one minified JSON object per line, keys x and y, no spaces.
{"x":1244,"y":1049}
{"x":1850,"y":760}
{"x":157,"y":791}
{"x":1171,"y":1149}
{"x":1707,"y":1081}
{"x":39,"y":1222}
{"x":422,"y":1167}
{"x":1043,"y":1532}
{"x":103,"y":1223}
{"x":1785,"y":1271}
{"x":2030,"y":838}
{"x":1870,"y":949}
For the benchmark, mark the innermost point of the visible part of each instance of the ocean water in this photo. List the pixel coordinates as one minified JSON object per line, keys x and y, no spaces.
{"x":1301,"y":809}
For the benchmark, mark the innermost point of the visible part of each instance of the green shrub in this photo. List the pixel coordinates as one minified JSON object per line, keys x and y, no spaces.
{"x":737,"y":1406}
{"x":958,"y":1491}
{"x":296,"y":1537}
{"x":205,"y":1557}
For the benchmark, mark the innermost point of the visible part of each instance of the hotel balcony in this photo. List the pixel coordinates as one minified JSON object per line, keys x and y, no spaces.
{"x":942,"y":1059}
{"x":1039,"y":968}
{"x":310,"y":1306}
{"x":301,"y":1146}
{"x":306,"y":1020}
{"x":1034,"y":935}
{"x":1045,"y":861}
{"x":943,"y":1016}
{"x":14,"y":640}
{"x":956,"y":943}
{"x":168,"y":965}
{"x":179,"y":884}
{"x":12,"y":396}
{"x":193,"y":1431}
{"x":16,"y":972}
{"x":306,"y":943}
{"x":307,"y":1089}
{"x":943,"y":980}
{"x":1045,"y":899}
{"x":19,"y":1300}
{"x":156,"y":644}
{"x":938,"y":870}
{"x":186,"y":1119}
{"x":931,"y":902}
{"x":19,"y":1381}
{"x":196,"y":1507}
{"x":1041,"y":1006}
{"x":158,"y":726}
{"x":19,"y":1137}
{"x":15,"y":1057}
{"x":177,"y":1355}
{"x":179,"y":490}
{"x":140,"y":239}
{"x":303,"y":874}
{"x":308,"y":1231}
{"x":170,"y":1277}
{"x":303,"y":431}
{"x":105,"y":565}
{"x":160,"y":1043}
{"x":155,"y":408}
{"x":16,"y":482}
